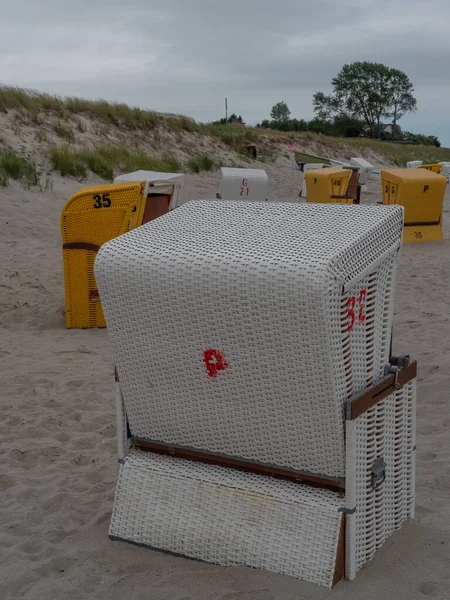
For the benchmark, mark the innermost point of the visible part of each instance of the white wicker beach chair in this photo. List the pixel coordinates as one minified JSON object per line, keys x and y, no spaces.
{"x":244,"y":184}
{"x":365,"y":169}
{"x":260,"y":418}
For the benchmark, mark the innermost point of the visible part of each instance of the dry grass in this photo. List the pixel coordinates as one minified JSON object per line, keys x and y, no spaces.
{"x":105,"y":161}
{"x":308,"y":158}
{"x":201,"y":163}
{"x":17,"y":167}
{"x":33,"y":102}
{"x":67,"y":163}
{"x":40,"y":136}
{"x":237,"y":137}
{"x":108,"y":115}
{"x":400,"y":154}
{"x":65,"y":133}
{"x":397,"y":154}
{"x":80,"y":126}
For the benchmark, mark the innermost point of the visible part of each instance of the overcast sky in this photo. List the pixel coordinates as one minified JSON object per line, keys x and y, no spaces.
{"x":185,"y":56}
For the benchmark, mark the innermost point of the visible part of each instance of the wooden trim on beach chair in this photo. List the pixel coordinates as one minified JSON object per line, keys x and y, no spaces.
{"x":423,"y":223}
{"x":81,"y":246}
{"x":245,"y":465}
{"x":156,"y":206}
{"x":404,"y":372}
{"x":339,"y":570}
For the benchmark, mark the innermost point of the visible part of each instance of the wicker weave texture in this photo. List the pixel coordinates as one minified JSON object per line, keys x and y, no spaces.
{"x":227,"y":517}
{"x":94,"y":215}
{"x":386,"y":431}
{"x":328,"y":185}
{"x":232,"y":332}
{"x":244,"y":184}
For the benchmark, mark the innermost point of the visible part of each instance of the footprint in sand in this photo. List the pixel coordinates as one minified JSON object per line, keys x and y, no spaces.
{"x":431,"y":589}
{"x":81,"y":460}
{"x":35,"y":286}
{"x":109,"y":431}
{"x":6,"y":482}
{"x":19,"y":455}
{"x":82,"y":443}
{"x":93,"y":477}
{"x":253,"y":595}
{"x":76,"y":383}
{"x":91,"y":426}
{"x":54,"y":566}
{"x":30,"y":547}
{"x":58,"y":534}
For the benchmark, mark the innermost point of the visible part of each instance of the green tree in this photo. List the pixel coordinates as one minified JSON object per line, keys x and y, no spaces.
{"x":401,"y":97}
{"x":347,"y":127}
{"x":231,"y":119}
{"x":364,"y":90}
{"x":280,"y":112}
{"x":434,"y":141}
{"x":236,"y":119}
{"x":327,"y":107}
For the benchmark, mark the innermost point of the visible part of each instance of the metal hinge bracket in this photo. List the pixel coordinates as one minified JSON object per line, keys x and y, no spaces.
{"x":378,"y":472}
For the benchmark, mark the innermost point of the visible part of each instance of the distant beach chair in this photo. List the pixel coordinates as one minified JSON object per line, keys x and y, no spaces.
{"x":436,"y":168}
{"x":305,"y":168}
{"x":169,"y":185}
{"x":445,"y":169}
{"x":331,"y":185}
{"x":243,"y":184}
{"x":95,"y":215}
{"x":365,"y":169}
{"x":421,"y":192}
{"x":261,"y":419}
{"x":336,"y":164}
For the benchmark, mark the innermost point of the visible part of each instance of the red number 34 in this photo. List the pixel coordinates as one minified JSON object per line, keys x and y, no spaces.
{"x":356,"y":309}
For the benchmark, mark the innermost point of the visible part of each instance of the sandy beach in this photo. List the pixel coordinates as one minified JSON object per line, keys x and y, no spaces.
{"x":59,"y":466}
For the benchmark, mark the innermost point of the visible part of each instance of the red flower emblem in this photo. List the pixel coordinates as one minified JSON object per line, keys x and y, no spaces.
{"x":214,"y":361}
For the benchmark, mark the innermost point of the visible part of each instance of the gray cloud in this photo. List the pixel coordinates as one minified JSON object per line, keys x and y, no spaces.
{"x":185,"y":56}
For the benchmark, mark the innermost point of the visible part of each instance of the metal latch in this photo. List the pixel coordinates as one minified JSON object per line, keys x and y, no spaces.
{"x":403,"y":361}
{"x":393,"y":370}
{"x":378,"y":472}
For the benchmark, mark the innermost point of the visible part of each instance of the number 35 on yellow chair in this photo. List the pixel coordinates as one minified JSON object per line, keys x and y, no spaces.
{"x":421,"y":193}
{"x":93,"y":216}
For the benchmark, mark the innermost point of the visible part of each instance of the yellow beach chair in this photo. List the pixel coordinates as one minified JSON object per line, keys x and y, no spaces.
{"x":421,"y":193}
{"x":91,"y":217}
{"x":328,"y":185}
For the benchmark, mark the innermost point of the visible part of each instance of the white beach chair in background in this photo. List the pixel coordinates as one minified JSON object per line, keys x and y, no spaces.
{"x":365,"y":169}
{"x":243,"y":184}
{"x":445,"y":169}
{"x":170,"y":184}
{"x":336,"y":164}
